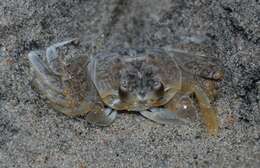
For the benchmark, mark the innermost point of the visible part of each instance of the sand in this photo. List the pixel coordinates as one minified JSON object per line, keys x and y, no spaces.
{"x":34,"y":135}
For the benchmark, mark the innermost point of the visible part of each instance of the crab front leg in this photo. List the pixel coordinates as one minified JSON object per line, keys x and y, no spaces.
{"x":180,"y":109}
{"x":49,"y":83}
{"x":209,"y":113}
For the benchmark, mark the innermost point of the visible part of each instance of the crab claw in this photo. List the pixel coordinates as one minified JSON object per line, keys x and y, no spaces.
{"x":104,"y":118}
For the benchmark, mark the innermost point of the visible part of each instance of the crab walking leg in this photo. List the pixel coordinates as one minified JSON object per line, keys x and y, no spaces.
{"x":51,"y":52}
{"x":43,"y":72}
{"x":52,"y":55}
{"x":52,"y":95}
{"x":50,"y":85}
{"x":162,"y":116}
{"x":80,"y":110}
{"x":92,"y":112}
{"x":46,"y":82}
{"x":209,"y":113}
{"x":193,"y":39}
{"x":94,"y":115}
{"x":70,"y":106}
{"x":58,"y":98}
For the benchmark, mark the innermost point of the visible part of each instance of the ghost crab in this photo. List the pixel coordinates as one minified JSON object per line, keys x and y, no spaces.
{"x":160,"y":85}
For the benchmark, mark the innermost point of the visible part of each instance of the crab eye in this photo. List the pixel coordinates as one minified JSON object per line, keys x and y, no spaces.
{"x":124,"y":85}
{"x":123,"y":90}
{"x":157,"y":84}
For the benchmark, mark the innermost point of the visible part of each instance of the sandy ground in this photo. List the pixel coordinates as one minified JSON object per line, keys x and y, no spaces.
{"x":34,"y":135}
